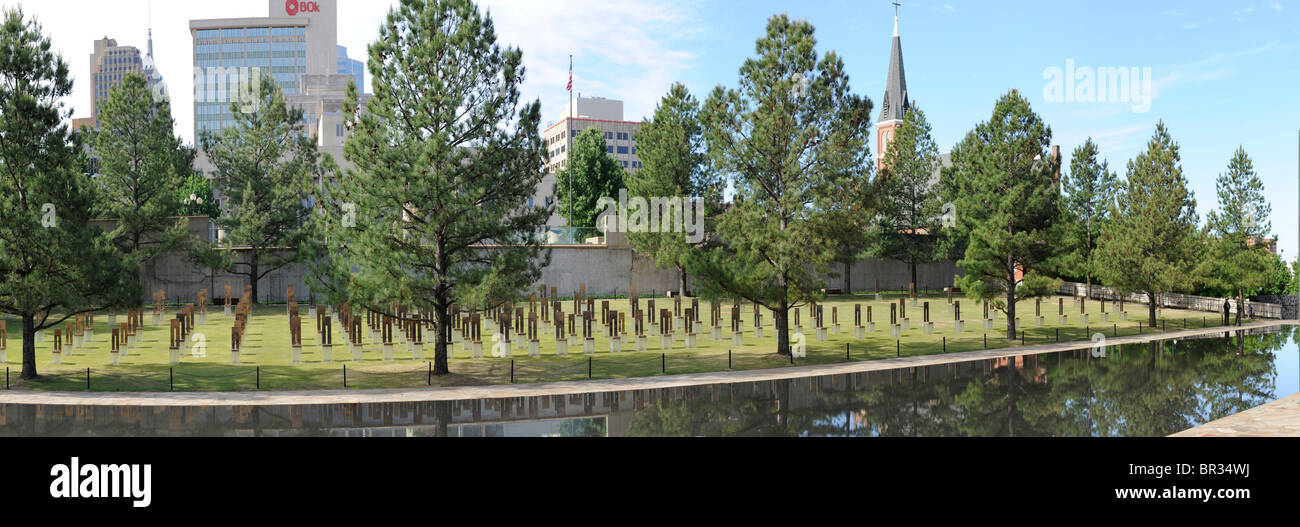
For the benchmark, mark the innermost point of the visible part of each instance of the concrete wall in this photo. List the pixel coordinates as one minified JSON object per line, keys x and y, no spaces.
{"x":607,"y":270}
{"x":1178,"y":301}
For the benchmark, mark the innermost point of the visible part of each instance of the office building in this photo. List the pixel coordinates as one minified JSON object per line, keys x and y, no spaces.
{"x":110,"y":63}
{"x":295,"y":46}
{"x":593,"y":112}
{"x":353,"y":67}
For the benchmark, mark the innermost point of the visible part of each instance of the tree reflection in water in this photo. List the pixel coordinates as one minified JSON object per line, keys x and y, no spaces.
{"x":1153,"y":389}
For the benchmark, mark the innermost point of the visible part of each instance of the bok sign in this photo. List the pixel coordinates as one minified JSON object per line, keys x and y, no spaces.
{"x":293,"y":7}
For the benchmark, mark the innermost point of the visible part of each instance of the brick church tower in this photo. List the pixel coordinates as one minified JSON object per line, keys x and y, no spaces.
{"x":894,"y":104}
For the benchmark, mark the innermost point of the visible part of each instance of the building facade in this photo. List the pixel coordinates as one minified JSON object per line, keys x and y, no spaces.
{"x":296,"y":46}
{"x":110,"y":63}
{"x":594,"y":112}
{"x":353,"y":67}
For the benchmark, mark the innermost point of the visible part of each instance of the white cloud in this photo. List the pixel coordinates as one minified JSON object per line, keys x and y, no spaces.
{"x":621,"y":50}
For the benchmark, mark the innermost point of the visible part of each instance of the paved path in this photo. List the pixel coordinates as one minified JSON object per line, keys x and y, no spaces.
{"x":1275,"y":419}
{"x":566,"y":388}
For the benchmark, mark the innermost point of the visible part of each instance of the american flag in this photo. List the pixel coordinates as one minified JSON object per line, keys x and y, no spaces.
{"x":569,"y":87}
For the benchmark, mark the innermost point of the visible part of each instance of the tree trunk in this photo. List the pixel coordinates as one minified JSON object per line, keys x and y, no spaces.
{"x":442,"y":328}
{"x":1011,"y":311}
{"x":781,"y":318}
{"x":912,"y":265}
{"x":29,"y":347}
{"x":1152,"y":298}
{"x":252,"y":273}
{"x":848,"y":278}
{"x":681,"y":274}
{"x":441,"y":302}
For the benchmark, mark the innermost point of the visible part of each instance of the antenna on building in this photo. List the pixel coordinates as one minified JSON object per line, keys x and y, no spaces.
{"x":149,"y":21}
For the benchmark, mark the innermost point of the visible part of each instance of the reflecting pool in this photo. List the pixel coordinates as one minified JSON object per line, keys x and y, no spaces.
{"x":1152,"y":389}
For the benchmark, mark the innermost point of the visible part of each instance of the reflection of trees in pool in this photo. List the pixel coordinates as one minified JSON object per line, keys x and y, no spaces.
{"x":1151,"y":389}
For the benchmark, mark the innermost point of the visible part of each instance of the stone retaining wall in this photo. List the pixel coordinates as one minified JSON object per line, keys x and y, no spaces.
{"x":1254,"y":309}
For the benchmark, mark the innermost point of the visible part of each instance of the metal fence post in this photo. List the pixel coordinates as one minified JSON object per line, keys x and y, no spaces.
{"x":87,"y":379}
{"x":171,"y":379}
{"x":345,"y":375}
{"x":512,"y":371}
{"x":430,"y":374}
{"x":259,"y":377}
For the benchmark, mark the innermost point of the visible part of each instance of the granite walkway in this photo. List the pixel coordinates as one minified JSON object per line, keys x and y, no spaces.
{"x":1276,"y":419}
{"x":570,"y":388}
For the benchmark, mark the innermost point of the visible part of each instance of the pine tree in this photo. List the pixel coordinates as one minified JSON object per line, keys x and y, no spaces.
{"x":595,"y":174}
{"x":434,"y":211}
{"x":673,"y":163}
{"x":54,"y":264}
{"x":1005,"y":205}
{"x":142,"y":165}
{"x":909,"y":207}
{"x":794,"y":139}
{"x":1150,"y":244}
{"x":1240,"y":259}
{"x":265,"y":169}
{"x":1089,"y":192}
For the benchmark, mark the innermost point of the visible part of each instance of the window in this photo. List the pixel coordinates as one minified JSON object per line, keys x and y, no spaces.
{"x":625,"y":164}
{"x":338,"y":130}
{"x":207,"y":33}
{"x":259,"y":32}
{"x":530,"y":202}
{"x":622,"y":150}
{"x":232,"y":33}
{"x":634,"y":150}
{"x":609,"y":149}
{"x":609,"y":135}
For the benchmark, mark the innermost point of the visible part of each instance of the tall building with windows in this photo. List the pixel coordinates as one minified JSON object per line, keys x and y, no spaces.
{"x":353,"y":67}
{"x":297,"y":38}
{"x":296,"y":46}
{"x":110,"y":64}
{"x":587,"y":112}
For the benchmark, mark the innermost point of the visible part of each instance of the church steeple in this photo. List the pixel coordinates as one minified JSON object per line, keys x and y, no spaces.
{"x":895,"y":103}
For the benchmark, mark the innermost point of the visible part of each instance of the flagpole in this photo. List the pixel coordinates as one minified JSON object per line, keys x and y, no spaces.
{"x":568,"y":158}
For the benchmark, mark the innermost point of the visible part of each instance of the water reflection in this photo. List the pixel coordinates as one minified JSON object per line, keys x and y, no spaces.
{"x":1151,"y":389}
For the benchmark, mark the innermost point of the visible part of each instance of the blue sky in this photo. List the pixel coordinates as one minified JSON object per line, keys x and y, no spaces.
{"x":1223,"y":73}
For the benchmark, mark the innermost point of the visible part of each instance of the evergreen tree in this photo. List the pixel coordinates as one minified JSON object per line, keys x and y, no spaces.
{"x":910,"y":209}
{"x":266,"y":165}
{"x":53,"y":262}
{"x":1089,"y":192}
{"x":434,"y":211}
{"x":1005,"y":205}
{"x":142,"y":164}
{"x":1151,"y":242}
{"x":1240,"y":261}
{"x":673,"y":163}
{"x":595,"y":174}
{"x":794,"y":139}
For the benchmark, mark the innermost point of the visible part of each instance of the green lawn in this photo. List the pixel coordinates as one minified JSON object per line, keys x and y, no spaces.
{"x":266,"y":358}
